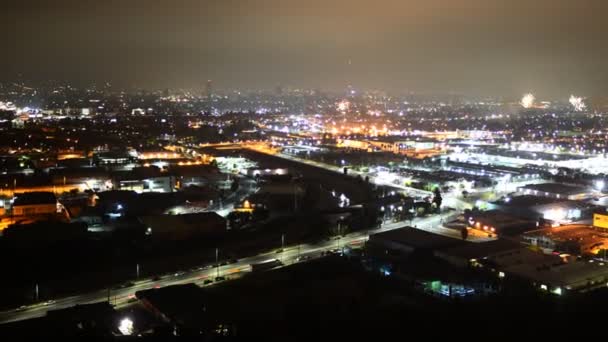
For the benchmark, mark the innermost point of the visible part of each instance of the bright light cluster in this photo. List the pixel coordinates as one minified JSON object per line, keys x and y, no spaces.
{"x":7,"y":106}
{"x":126,"y":326}
{"x":527,"y":101}
{"x":343,"y":106}
{"x":578,"y":103}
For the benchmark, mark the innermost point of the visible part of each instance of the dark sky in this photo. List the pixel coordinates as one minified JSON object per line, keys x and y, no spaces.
{"x":494,"y":47}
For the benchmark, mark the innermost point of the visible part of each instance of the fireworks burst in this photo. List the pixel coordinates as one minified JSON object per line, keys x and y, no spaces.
{"x":527,"y":101}
{"x":578,"y":103}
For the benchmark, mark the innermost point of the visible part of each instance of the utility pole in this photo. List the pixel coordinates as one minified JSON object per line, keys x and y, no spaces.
{"x":37,"y":293}
{"x":295,"y":198}
{"x":217,"y":263}
{"x":339,"y":234}
{"x":137,"y":271}
{"x":282,"y":247}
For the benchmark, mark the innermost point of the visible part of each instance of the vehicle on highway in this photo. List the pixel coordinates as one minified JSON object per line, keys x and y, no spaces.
{"x":335,"y":251}
{"x":303,"y":258}
{"x":280,"y":250}
{"x":266,"y":265}
{"x":220,"y":278}
{"x":180,"y":273}
{"x":49,"y":302}
{"x":123,"y":285}
{"x":208,"y":281}
{"x":21,"y":308}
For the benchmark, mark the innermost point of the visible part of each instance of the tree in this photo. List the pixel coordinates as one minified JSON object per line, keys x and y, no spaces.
{"x":464,"y":232}
{"x":437,"y":199}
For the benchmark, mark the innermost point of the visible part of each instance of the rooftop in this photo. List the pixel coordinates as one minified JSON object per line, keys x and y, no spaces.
{"x":557,"y":188}
{"x":481,"y":250}
{"x":417,"y":238}
{"x":34,"y":198}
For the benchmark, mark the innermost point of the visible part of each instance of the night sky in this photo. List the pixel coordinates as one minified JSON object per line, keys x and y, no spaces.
{"x":485,"y":47}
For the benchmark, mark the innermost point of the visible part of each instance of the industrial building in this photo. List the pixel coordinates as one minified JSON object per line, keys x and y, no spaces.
{"x":557,"y":190}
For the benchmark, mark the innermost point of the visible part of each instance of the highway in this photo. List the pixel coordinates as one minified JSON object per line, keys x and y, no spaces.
{"x":121,"y":297}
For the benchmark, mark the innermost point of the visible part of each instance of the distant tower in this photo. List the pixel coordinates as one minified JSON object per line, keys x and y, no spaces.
{"x":209,"y":90}
{"x":350,"y":91}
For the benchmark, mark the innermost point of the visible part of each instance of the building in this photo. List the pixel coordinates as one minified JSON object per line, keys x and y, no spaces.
{"x":143,"y":179}
{"x":35,"y":203}
{"x":557,"y":190}
{"x":196,"y":175}
{"x":600,"y":219}
{"x":548,"y":208}
{"x":553,"y":274}
{"x":159,"y":155}
{"x":465,"y":255}
{"x":572,"y":239}
{"x":113,"y":158}
{"x":408,"y":240}
{"x":180,"y":227}
{"x":415,"y":148}
{"x":496,"y":222}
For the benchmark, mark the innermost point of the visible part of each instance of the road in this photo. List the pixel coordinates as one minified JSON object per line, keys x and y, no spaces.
{"x":122,"y":296}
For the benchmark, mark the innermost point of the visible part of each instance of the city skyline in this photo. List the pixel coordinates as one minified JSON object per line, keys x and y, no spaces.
{"x":552,"y":48}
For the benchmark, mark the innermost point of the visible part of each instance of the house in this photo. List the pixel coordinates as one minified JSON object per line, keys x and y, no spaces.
{"x":35,"y":203}
{"x":180,"y":227}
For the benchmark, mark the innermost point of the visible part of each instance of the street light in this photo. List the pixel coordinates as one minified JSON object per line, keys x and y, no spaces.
{"x":599,"y":185}
{"x":126,"y":326}
{"x":283,"y":247}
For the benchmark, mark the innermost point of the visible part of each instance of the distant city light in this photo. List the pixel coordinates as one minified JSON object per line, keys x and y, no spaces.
{"x":343,"y":106}
{"x":527,"y":101}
